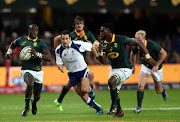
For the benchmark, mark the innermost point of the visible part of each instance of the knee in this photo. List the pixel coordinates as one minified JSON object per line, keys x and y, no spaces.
{"x":85,"y":90}
{"x":68,"y":85}
{"x":141,"y":86}
{"x":111,"y":83}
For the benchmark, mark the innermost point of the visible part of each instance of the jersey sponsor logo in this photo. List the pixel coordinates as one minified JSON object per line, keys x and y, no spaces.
{"x":113,"y":55}
{"x":35,"y":44}
{"x":23,"y":43}
{"x":115,"y":45}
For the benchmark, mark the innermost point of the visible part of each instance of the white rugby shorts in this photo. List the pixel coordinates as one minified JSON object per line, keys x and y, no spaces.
{"x":121,"y":75}
{"x":38,"y":75}
{"x":157,"y":76}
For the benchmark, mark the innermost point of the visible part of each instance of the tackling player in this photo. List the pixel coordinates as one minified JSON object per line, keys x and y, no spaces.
{"x":31,"y":69}
{"x":147,"y":70}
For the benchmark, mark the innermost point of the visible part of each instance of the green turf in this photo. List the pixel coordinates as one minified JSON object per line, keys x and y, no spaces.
{"x":75,"y":109}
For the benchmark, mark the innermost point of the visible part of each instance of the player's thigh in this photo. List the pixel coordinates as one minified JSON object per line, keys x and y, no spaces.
{"x":121,"y":74}
{"x":85,"y":85}
{"x":143,"y":78}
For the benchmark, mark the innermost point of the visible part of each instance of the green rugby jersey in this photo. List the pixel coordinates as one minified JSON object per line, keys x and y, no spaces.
{"x":87,"y":35}
{"x":39,"y":45}
{"x":153,"y":49}
{"x":117,"y":52}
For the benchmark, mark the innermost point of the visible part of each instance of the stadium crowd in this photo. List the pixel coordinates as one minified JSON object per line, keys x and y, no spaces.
{"x":168,"y":37}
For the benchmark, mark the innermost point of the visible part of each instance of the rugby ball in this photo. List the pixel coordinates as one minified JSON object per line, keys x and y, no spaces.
{"x":25,"y":53}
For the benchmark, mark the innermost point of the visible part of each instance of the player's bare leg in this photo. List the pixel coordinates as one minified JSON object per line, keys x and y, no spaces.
{"x":91,"y":80}
{"x":160,"y":90}
{"x":82,"y":92}
{"x":143,"y":78}
{"x":28,"y":93}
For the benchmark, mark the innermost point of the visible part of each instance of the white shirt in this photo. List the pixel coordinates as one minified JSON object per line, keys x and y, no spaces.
{"x":72,"y":57}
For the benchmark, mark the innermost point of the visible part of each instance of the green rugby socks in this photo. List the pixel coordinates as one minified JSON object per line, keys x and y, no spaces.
{"x":63,"y":93}
{"x":140,"y":96}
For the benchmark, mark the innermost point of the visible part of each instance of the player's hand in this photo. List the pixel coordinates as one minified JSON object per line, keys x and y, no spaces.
{"x":101,"y":47}
{"x":88,"y":41}
{"x":152,"y":61}
{"x":61,"y":68}
{"x":133,"y":70}
{"x":98,"y":62}
{"x":155,"y":68}
{"x":33,"y":51}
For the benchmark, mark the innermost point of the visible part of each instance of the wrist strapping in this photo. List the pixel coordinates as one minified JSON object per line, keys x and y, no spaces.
{"x":9,"y":51}
{"x":147,"y":56}
{"x":39,"y":55}
{"x":100,"y":53}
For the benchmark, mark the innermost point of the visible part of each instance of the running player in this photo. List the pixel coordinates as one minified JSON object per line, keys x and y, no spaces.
{"x":115,"y":50}
{"x":147,"y":70}
{"x":31,"y":69}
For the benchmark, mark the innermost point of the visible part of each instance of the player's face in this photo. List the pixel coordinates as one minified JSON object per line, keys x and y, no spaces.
{"x":65,"y":39}
{"x":103,"y":32}
{"x":79,"y":25}
{"x":33,"y":31}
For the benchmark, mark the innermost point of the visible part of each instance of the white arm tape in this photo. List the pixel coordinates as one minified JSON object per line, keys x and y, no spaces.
{"x":147,"y":56}
{"x":9,"y":51}
{"x":39,"y":55}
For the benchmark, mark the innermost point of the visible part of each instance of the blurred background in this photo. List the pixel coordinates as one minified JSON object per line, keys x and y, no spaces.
{"x":159,"y":18}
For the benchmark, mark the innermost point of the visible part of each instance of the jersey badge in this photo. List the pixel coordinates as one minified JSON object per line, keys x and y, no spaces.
{"x":115,"y":45}
{"x":85,"y":37}
{"x":35,"y":44}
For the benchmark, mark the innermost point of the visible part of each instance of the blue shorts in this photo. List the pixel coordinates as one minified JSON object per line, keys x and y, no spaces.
{"x":75,"y":77}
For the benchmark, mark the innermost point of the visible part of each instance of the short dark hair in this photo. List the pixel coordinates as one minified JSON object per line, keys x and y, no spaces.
{"x":77,"y":17}
{"x":108,"y":25}
{"x":65,"y":32}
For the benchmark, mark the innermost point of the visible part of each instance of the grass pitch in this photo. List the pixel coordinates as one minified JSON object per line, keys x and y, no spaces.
{"x":154,"y":108}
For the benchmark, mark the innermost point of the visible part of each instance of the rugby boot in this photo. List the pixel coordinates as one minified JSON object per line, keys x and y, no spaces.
{"x":116,"y":115}
{"x":112,"y":110}
{"x":138,"y":110}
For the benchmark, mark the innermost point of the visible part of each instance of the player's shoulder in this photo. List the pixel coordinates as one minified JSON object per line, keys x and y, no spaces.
{"x":72,"y":33}
{"x":78,"y":42}
{"x":88,"y":32}
{"x":58,"y":47}
{"x":150,"y":42}
{"x":22,"y":38}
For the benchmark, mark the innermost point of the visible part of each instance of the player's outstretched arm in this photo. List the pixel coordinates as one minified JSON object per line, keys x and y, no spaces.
{"x":10,"y":49}
{"x":57,"y":40}
{"x":133,"y":61}
{"x":150,"y":60}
